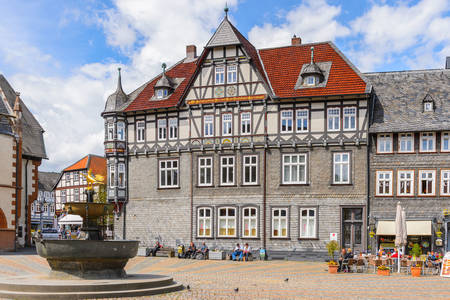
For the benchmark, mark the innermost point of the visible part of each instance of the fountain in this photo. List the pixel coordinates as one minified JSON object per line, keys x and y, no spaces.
{"x":88,"y":267}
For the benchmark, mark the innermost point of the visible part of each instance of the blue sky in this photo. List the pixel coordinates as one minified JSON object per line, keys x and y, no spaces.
{"x":63,"y":55}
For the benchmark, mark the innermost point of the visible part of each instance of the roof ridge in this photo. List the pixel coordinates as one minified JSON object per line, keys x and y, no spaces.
{"x":301,"y":45}
{"x":409,"y":71}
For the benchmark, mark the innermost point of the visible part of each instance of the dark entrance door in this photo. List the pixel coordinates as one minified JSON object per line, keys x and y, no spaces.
{"x":352,"y":228}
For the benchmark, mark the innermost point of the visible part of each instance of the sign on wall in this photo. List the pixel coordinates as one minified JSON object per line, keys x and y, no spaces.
{"x":333,"y":236}
{"x":445,"y":270}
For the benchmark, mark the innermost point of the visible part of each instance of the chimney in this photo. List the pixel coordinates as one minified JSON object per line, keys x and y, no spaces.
{"x":296,"y":41}
{"x":191,"y":52}
{"x":447,"y":62}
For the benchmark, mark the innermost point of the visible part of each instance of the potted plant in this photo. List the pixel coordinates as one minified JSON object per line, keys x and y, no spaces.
{"x":383,"y":270}
{"x":332,"y":264}
{"x":415,"y":270}
{"x":438,"y":234}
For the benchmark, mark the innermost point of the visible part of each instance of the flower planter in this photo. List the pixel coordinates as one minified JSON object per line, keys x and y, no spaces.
{"x":415,"y":271}
{"x":383,"y":272}
{"x":332,"y":269}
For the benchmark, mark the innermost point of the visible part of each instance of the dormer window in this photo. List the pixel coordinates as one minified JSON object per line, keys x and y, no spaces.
{"x":310,"y":80}
{"x":428,"y":106}
{"x":161,"y":93}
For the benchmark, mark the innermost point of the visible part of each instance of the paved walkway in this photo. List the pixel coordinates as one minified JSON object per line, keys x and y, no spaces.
{"x":260,"y":280}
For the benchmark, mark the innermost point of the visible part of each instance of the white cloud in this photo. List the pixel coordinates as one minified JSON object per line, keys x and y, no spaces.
{"x":313,"y":20}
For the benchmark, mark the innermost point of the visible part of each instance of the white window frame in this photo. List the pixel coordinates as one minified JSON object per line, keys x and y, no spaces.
{"x":428,"y":106}
{"x":164,"y":171}
{"x":302,"y":118}
{"x":173,"y":128}
{"x":219,"y":75}
{"x":405,"y":139}
{"x":227,"y":167}
{"x":445,"y":138}
{"x":433,"y":182}
{"x":232,"y":73}
{"x":208,"y":125}
{"x":110,"y":129}
{"x":294,"y":167}
{"x":204,"y":167}
{"x":428,"y":137}
{"x":252,"y":166}
{"x":227,"y":124}
{"x":76,"y":176}
{"x":278,"y":220}
{"x":68,"y":177}
{"x":308,"y":219}
{"x":162,"y":129}
{"x":76,"y":194}
{"x":382,"y":180}
{"x":445,"y":182}
{"x":251,"y":221}
{"x":310,"y":80}
{"x":286,"y":121}
{"x":112,"y":175}
{"x":121,"y":131}
{"x":63,"y":196}
{"x":349,"y":113}
{"x":202,"y":220}
{"x":339,"y":165}
{"x":140,"y":131}
{"x":121,"y":174}
{"x":228,"y":219}
{"x":384,"y":143}
{"x":246,"y":123}
{"x":334,"y":119}
{"x":406,"y":177}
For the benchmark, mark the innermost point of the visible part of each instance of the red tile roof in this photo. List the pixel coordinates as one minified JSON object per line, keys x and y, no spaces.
{"x":96,"y":163}
{"x":180,"y":70}
{"x":283,"y":66}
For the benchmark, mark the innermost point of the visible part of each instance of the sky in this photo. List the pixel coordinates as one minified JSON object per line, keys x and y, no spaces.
{"x":62,"y":56}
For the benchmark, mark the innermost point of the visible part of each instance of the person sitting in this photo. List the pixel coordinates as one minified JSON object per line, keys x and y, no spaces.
{"x":156,"y":248}
{"x":190,"y":253}
{"x":247,"y":251}
{"x":237,"y":252}
{"x":341,"y":259}
{"x":203,"y":251}
{"x":381,"y":252}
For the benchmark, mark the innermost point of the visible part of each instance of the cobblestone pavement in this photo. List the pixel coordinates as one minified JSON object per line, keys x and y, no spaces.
{"x":260,"y":280}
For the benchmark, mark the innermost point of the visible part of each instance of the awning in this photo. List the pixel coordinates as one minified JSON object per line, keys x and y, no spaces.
{"x":71,"y":220}
{"x":413,"y":228}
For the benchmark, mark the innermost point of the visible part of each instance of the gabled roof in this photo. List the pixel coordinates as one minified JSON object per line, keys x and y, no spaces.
{"x":5,"y":115}
{"x":284,"y":64}
{"x":399,"y":96}
{"x":47,"y":180}
{"x":94,"y":162}
{"x":225,"y":35}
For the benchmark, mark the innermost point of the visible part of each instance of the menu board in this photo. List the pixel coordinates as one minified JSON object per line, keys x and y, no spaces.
{"x":445,"y":270}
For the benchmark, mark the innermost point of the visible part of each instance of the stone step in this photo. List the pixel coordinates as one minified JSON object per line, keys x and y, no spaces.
{"x":91,"y":295}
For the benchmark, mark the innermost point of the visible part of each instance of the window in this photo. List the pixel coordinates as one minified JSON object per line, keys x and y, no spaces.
{"x":208,"y":124}
{"x":279,"y":222}
{"x":310,"y":80}
{"x":232,"y":74}
{"x":406,"y":142}
{"x":426,"y":182}
{"x":162,"y":129}
{"x":161,"y":93}
{"x":68,"y":177}
{"x":349,"y":118}
{"x":220,"y":75}
{"x":384,"y":183}
{"x":204,"y":222}
{"x":110,"y":131}
{"x":445,"y":141}
{"x":76,"y":176}
{"x":140,"y":127}
{"x":428,"y":106}
{"x":341,"y":168}
{"x":63,"y":196}
{"x":250,"y":175}
{"x":294,"y":168}
{"x":227,"y":170}
{"x":384,"y":143}
{"x":405,"y":183}
{"x":227,"y":124}
{"x":121,"y":131}
{"x":246,"y":121}
{"x":45,"y":210}
{"x":308,"y":222}
{"x":168,"y":173}
{"x":112,"y":175}
{"x":427,"y":142}
{"x":227,"y":222}
{"x":302,"y":120}
{"x":249,"y":222}
{"x":286,"y":121}
{"x":121,"y":175}
{"x":445,"y":182}
{"x":334,"y":116}
{"x":205,"y":171}
{"x":173,"y":128}
{"x":52,"y":209}
{"x":76,"y":195}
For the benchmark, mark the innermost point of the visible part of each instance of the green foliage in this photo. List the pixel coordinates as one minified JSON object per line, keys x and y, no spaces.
{"x":416,"y":251}
{"x":332,"y":246}
{"x":101,"y":194}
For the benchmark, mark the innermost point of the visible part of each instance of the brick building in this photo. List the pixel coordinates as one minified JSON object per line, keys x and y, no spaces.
{"x":237,"y":144}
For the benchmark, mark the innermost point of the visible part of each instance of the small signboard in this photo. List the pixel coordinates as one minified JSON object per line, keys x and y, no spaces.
{"x":333,"y":236}
{"x":445,"y":270}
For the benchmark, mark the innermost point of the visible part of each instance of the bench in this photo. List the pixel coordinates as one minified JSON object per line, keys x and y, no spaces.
{"x":165,"y":252}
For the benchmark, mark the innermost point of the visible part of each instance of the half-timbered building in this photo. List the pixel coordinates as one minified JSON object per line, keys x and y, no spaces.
{"x":240,"y":145}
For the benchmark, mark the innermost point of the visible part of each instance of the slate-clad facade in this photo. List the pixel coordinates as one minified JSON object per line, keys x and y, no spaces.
{"x":243,"y":145}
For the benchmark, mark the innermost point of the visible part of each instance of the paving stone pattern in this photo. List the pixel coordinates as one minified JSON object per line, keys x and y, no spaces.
{"x":260,"y":279}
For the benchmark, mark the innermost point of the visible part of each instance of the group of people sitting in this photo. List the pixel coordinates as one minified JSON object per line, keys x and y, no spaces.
{"x":343,"y":259}
{"x":193,"y":252}
{"x":241,"y":253}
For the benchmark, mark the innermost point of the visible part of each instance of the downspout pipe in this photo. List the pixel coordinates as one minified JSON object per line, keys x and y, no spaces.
{"x":16,"y":219}
{"x":26,"y":202}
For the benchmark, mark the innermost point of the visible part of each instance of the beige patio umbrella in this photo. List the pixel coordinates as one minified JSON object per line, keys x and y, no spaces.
{"x":400,"y":230}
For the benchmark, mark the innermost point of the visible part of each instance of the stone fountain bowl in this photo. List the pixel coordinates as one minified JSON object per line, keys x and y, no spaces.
{"x":95,"y":210}
{"x":88,"y":259}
